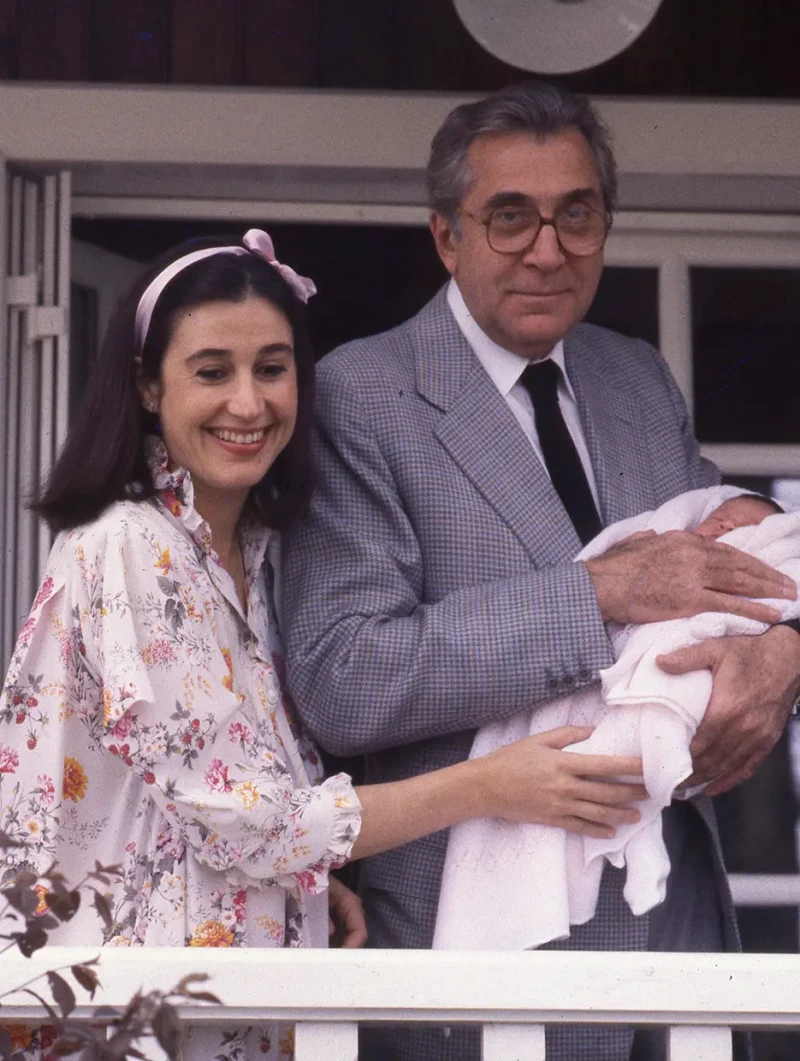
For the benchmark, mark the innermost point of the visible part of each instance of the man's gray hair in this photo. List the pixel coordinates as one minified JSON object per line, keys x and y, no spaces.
{"x":536,"y":107}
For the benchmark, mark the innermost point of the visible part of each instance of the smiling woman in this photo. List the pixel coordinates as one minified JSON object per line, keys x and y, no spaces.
{"x":144,"y":719}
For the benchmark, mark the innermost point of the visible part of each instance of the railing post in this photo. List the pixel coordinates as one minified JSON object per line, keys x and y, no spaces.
{"x":689,"y":1043}
{"x":513,"y":1042}
{"x":314,"y":1040}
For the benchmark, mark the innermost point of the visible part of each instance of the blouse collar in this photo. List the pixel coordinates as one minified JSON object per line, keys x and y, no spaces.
{"x":175,"y":492}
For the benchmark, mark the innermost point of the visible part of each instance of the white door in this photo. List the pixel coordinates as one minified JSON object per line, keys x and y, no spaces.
{"x":34,"y":374}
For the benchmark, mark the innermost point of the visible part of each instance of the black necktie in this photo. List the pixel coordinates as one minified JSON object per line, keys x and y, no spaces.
{"x":560,"y":455}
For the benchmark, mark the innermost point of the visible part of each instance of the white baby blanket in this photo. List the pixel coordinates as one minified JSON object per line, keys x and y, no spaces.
{"x":509,"y":886}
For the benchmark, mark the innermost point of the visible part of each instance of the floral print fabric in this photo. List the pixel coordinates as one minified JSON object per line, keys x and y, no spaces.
{"x":143,"y":723}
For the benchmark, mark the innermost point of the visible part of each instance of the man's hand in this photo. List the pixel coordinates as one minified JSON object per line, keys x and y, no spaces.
{"x":650,"y":577}
{"x":346,"y":915}
{"x":756,"y":681}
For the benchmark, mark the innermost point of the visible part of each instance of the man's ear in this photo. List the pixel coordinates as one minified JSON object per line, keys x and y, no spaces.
{"x":445,"y":239}
{"x":149,"y":389}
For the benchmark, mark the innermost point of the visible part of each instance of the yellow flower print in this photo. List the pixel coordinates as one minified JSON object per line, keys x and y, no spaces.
{"x":247,"y":792}
{"x":75,"y":781}
{"x":41,"y":895}
{"x":212,"y":934}
{"x":106,"y":705}
{"x":227,"y":681}
{"x":274,"y":928}
{"x":286,"y":1043}
{"x":164,"y":563}
{"x":21,"y":1036}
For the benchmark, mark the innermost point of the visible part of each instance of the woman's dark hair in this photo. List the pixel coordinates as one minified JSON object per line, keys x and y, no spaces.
{"x":104,"y":454}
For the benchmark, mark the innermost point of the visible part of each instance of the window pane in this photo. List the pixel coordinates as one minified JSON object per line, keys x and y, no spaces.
{"x":627,"y":302}
{"x":745,"y":325}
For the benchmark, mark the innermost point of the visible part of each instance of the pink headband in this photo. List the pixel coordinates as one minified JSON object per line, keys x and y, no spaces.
{"x":255,"y":242}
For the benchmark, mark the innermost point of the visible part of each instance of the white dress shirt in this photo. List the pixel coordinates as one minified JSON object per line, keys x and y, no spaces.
{"x":505,"y":369}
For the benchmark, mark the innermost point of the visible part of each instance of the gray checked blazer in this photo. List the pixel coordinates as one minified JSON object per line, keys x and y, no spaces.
{"x":432,"y":589}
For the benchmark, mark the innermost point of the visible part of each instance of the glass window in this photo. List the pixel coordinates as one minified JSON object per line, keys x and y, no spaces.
{"x":627,"y":302}
{"x":745,"y":325}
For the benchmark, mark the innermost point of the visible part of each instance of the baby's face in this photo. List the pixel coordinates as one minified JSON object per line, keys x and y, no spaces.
{"x":738,"y":512}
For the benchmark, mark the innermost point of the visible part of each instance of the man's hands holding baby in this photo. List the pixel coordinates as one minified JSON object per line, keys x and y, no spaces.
{"x":756,"y":681}
{"x":650,"y":577}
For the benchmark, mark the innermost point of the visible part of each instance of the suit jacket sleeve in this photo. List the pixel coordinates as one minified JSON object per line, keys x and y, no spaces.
{"x":373,"y":663}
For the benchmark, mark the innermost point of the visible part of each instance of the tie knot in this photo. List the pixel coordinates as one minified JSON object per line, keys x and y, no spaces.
{"x":541,"y":379}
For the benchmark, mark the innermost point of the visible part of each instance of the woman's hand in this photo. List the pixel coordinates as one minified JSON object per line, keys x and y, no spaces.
{"x":346,"y":913}
{"x":533,"y":780}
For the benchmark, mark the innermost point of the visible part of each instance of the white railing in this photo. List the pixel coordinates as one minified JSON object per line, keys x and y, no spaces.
{"x":700,"y":997}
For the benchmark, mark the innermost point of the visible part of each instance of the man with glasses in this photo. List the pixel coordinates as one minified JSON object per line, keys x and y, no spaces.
{"x":464,"y":457}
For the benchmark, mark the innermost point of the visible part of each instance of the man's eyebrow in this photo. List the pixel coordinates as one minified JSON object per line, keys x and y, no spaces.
{"x":513,"y":198}
{"x":508,"y":198}
{"x":209,"y":352}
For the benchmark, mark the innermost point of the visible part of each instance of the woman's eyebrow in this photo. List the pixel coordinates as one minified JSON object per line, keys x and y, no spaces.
{"x":210,"y":352}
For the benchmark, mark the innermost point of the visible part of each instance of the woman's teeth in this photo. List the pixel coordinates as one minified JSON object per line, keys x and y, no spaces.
{"x":240,"y":439}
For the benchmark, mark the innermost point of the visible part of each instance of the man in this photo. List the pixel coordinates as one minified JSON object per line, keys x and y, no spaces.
{"x":432,"y":590}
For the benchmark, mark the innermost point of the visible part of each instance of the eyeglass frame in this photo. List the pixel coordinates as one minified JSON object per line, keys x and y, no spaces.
{"x":543,"y":222}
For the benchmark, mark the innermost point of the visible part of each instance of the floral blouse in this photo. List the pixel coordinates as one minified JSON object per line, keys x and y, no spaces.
{"x":143,"y":723}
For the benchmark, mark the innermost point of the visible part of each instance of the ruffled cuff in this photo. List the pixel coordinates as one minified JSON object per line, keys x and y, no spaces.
{"x":346,"y":808}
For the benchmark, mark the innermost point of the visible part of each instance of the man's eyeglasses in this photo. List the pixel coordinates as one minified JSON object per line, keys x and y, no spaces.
{"x":580,"y":229}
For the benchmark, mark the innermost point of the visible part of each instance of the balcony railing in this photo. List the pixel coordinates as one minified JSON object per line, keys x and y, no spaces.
{"x":699,"y":997}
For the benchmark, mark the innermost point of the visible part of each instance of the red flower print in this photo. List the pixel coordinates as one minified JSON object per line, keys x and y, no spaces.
{"x":195,"y":724}
{"x":31,"y":743}
{"x":149,"y":777}
{"x":9,"y":760}
{"x":216,"y":777}
{"x":44,"y":592}
{"x":21,"y":716}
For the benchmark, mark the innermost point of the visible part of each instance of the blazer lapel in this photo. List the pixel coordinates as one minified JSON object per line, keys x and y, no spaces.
{"x":483,"y":437}
{"x":613,"y":430}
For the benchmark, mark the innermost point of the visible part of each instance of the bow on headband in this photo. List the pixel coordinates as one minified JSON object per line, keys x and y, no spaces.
{"x":258,"y":242}
{"x":255,"y":242}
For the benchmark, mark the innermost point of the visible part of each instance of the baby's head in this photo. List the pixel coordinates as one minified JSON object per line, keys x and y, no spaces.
{"x":747,"y":510}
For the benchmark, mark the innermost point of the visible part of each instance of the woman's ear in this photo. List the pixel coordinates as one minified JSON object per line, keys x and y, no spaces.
{"x":149,"y":389}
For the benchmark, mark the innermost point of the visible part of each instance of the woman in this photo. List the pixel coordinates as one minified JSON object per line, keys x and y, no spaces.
{"x":143,"y":721}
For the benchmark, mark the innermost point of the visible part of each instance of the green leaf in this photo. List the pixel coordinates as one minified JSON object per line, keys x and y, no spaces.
{"x":62,"y":993}
{"x":86,"y":977}
{"x":103,"y":908}
{"x":167,"y":1030}
{"x":64,"y":905}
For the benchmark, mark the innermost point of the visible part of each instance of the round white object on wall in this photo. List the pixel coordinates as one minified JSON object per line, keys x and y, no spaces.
{"x":555,"y":36}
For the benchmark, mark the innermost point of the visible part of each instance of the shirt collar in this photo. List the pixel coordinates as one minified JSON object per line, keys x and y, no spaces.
{"x":503,"y":366}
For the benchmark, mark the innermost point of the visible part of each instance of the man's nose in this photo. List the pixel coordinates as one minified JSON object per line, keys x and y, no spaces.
{"x":545,"y":252}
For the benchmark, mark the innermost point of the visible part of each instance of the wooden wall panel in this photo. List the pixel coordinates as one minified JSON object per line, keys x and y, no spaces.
{"x":281,"y":42}
{"x":8,"y":38}
{"x":783,"y":47}
{"x":356,"y":46}
{"x":744,"y":48}
{"x":430,"y":46}
{"x":53,"y":40}
{"x":130,"y":41}
{"x":206,"y":42}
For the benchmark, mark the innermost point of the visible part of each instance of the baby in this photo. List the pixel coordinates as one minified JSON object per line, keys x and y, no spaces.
{"x":638,"y":709}
{"x":747,"y":510}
